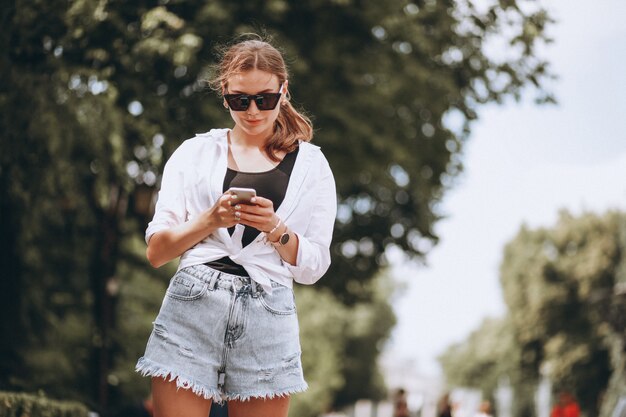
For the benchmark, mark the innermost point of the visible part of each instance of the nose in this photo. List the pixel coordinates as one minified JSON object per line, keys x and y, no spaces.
{"x":252,"y":108}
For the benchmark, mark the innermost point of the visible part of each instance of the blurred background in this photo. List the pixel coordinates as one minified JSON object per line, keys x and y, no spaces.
{"x":479,"y":154}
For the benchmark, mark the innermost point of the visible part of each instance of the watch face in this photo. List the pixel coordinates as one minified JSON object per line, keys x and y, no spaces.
{"x":284,"y":238}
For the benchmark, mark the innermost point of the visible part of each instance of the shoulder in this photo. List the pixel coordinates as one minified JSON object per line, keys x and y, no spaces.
{"x":309,"y":147}
{"x":194,"y":145}
{"x":192,"y":150}
{"x":212,"y":137}
{"x":314,"y":154}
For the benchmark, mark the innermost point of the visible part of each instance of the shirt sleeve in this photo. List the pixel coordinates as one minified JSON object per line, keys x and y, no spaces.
{"x":170,"y":208}
{"x":313,"y":259}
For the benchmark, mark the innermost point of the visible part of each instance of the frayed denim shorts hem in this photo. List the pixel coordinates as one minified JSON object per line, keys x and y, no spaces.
{"x":265,"y":394}
{"x":223,"y":337}
{"x":148,"y":368}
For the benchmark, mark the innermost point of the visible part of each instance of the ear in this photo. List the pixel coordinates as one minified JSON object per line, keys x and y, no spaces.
{"x":286,"y":95}
{"x":225,"y":104}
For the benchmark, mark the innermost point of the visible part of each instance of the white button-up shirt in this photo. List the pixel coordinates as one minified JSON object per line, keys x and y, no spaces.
{"x":193,"y":182}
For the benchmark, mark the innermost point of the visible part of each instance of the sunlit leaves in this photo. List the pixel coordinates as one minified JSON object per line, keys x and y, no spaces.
{"x":97,"y":94}
{"x":559,"y":285}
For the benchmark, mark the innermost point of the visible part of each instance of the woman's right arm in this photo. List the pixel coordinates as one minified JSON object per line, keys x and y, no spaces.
{"x":170,"y":233}
{"x":165,"y":245}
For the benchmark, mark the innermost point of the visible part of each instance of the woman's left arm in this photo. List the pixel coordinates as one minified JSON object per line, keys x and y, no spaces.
{"x":307,"y":255}
{"x":313,"y":245}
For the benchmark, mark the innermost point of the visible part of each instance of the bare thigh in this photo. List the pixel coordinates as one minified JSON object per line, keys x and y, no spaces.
{"x":171,"y":401}
{"x":258,"y":407}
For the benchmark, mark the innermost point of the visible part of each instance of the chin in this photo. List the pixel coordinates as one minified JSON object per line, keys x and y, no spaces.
{"x":258,"y":130}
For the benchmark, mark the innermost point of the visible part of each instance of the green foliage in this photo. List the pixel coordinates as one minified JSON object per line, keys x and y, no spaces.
{"x":617,"y":341}
{"x":141,"y":291}
{"x":557,"y":284}
{"x":617,"y":384}
{"x":14,"y":404}
{"x":482,"y":359}
{"x":95,"y":94}
{"x":393,"y":74}
{"x":565,"y":315}
{"x":336,"y":341}
{"x":369,"y":326}
{"x":323,"y":323}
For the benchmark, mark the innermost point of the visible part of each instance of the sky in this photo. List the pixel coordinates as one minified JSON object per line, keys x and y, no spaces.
{"x":523,"y":164}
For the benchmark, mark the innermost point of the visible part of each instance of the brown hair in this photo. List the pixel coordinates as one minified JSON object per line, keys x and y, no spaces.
{"x":290,"y":126}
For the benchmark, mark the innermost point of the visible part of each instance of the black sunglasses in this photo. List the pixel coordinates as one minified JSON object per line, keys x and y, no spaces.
{"x":264,"y":101}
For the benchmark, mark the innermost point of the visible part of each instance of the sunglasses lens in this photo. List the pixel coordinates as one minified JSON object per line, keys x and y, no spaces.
{"x":267,"y":101}
{"x":237,"y":102}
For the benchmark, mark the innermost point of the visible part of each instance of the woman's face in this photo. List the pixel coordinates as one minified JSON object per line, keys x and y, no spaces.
{"x":254,"y":122}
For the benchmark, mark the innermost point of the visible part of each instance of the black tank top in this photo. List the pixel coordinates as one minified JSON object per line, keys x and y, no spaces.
{"x":270,"y":184}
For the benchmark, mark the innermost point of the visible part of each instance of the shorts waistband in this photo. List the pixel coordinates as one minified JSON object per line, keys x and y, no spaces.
{"x":219,"y":279}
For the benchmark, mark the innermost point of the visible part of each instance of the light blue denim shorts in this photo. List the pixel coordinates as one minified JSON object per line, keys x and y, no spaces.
{"x":225,"y":338}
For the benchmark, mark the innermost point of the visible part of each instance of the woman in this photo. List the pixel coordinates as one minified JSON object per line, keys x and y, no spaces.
{"x":227,"y":329}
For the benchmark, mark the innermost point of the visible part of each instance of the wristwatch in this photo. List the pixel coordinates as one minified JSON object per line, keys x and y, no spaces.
{"x":283,"y":239}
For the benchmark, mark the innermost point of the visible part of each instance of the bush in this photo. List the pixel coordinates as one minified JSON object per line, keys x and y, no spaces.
{"x":14,"y":404}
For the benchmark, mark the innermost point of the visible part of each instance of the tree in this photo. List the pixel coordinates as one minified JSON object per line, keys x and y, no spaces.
{"x":564,"y":317}
{"x":556,"y":284}
{"x":95,"y":95}
{"x":393,"y":74}
{"x":323,"y":323}
{"x":481,"y":360}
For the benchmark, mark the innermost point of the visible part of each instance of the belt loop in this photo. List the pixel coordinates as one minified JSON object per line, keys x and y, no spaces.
{"x":255,"y":287}
{"x":214,"y":276}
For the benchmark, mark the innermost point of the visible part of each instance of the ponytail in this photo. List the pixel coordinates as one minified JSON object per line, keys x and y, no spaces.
{"x":289,"y":128}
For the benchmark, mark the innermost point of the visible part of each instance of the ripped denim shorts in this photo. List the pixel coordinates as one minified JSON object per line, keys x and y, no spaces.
{"x":224,"y":338}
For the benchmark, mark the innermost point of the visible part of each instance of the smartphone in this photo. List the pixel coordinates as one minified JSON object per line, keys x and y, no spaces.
{"x":244,"y":195}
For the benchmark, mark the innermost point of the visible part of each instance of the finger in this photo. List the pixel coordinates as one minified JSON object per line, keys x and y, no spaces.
{"x":225,"y":200}
{"x":251,"y":217}
{"x":266,"y":207}
{"x":255,"y":210}
{"x":244,"y":212}
{"x":232,"y":199}
{"x":261,"y":201}
{"x":258,"y":222}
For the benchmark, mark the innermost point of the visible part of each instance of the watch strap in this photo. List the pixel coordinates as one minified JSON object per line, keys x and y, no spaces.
{"x":283,"y":239}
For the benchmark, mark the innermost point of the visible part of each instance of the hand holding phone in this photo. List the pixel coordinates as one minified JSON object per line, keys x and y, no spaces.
{"x":244,"y":195}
